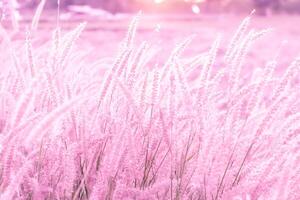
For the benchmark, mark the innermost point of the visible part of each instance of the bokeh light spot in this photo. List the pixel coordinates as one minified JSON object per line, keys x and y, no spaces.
{"x":195,"y":9}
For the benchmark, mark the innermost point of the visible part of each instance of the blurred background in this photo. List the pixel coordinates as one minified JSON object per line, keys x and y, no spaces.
{"x":167,"y":6}
{"x":164,"y":22}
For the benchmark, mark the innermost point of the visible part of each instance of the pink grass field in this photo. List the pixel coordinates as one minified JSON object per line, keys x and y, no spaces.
{"x":203,"y":108}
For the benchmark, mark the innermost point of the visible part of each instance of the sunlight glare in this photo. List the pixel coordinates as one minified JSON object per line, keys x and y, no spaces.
{"x":158,"y":1}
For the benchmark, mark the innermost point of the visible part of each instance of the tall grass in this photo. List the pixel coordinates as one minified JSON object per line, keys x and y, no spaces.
{"x":146,"y":132}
